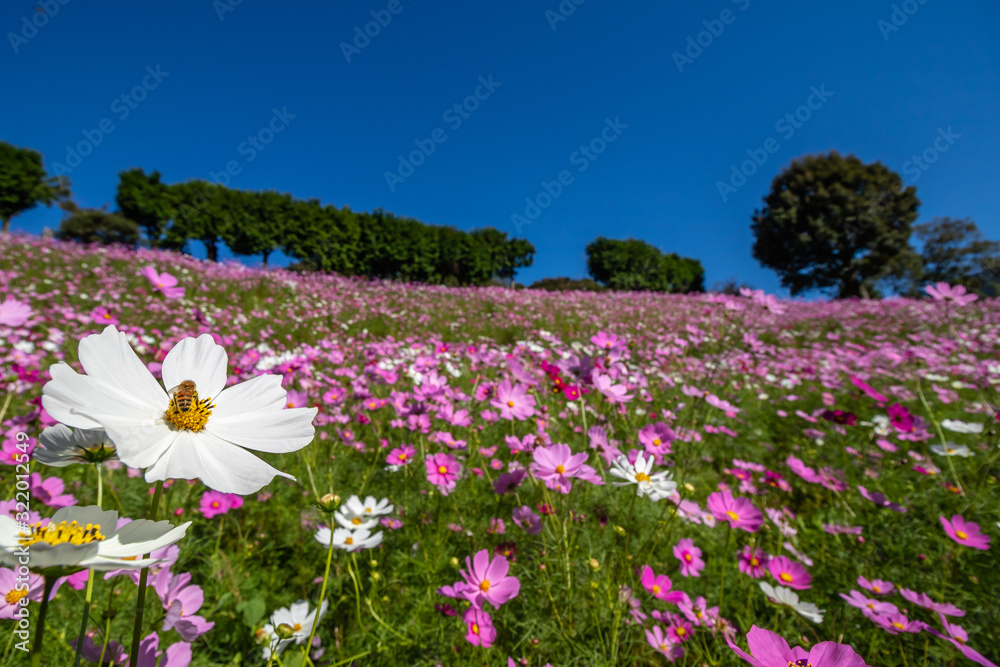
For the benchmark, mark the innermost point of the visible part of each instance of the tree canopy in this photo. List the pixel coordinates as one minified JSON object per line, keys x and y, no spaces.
{"x":638,"y":266}
{"x":835,"y":222}
{"x":24,"y":184}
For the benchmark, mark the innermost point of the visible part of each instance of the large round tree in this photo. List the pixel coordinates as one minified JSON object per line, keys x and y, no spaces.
{"x":835,"y":222}
{"x":24,"y":183}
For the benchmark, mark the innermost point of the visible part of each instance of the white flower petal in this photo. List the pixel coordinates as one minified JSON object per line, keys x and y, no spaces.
{"x":277,"y":431}
{"x":109,"y":358}
{"x":140,"y":443}
{"x":78,"y":400}
{"x":220,"y":465}
{"x":140,"y":537}
{"x":200,"y":360}
{"x":260,"y":393}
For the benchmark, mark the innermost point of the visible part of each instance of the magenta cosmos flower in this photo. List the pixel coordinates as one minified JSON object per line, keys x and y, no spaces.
{"x":401,"y":456}
{"x":690,"y":557}
{"x":789,"y":573}
{"x":768,"y":649}
{"x":513,"y":401}
{"x":739,"y":512}
{"x":754,"y":562}
{"x":442,"y":472}
{"x":479,"y":628}
{"x":966,"y":533}
{"x":556,"y":464}
{"x":164,"y":283}
{"x":659,"y":586}
{"x":487,"y":581}
{"x":14,"y":313}
{"x":216,"y":503}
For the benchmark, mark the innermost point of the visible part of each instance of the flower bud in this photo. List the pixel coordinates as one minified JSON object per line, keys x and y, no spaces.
{"x":284,"y":631}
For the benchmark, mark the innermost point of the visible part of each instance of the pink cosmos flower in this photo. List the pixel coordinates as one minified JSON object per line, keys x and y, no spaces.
{"x":965,"y":532}
{"x":868,"y":389}
{"x":880,"y":499}
{"x":900,"y":418}
{"x":877,"y":586}
{"x":897,"y":623}
{"x":103,"y":316}
{"x":698,"y":612}
{"x":513,"y":401}
{"x":181,"y":600}
{"x":656,"y":438}
{"x":14,"y":313}
{"x":216,"y":503}
{"x":769,"y":649}
{"x":754,"y":562}
{"x":869,"y":606}
{"x":12,"y":591}
{"x":401,"y":456}
{"x":690,"y":558}
{"x":164,"y":283}
{"x":944,"y":292}
{"x":663,"y":644}
{"x":50,"y":491}
{"x":556,"y":464}
{"x":739,"y":512}
{"x":442,"y":472}
{"x":679,"y":630}
{"x":925,"y":601}
{"x":615,"y":393}
{"x":789,"y":573}
{"x":508,"y":481}
{"x":659,"y":586}
{"x":486,"y":580}
{"x":479,"y":627}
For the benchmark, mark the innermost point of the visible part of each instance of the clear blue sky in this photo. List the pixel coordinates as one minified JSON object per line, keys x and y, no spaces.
{"x":892,"y":90}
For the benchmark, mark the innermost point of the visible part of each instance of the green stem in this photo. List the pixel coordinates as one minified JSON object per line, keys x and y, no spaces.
{"x":133,"y":658}
{"x":86,"y":614}
{"x":107,"y":639}
{"x":722,"y":573}
{"x":36,"y":650}
{"x":357,"y":593}
{"x":322,"y":597}
{"x":628,"y":536}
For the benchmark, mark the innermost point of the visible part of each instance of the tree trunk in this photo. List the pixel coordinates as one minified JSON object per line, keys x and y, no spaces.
{"x":265,"y":254}
{"x":6,"y":225}
{"x":211,"y":251}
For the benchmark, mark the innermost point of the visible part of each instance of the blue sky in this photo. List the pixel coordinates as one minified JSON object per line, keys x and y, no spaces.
{"x":556,"y":81}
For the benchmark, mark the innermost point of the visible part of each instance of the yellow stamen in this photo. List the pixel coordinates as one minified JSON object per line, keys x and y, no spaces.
{"x":510,"y":404}
{"x":961,"y":535}
{"x":356,"y":521}
{"x":442,"y":469}
{"x":62,"y":533}
{"x":560,"y":469}
{"x":14,"y":597}
{"x":733,"y":515}
{"x":656,"y":589}
{"x":657,"y":442}
{"x":785,"y":577}
{"x":484,"y":585}
{"x":194,"y":419}
{"x":349,"y":540}
{"x":641,"y":477}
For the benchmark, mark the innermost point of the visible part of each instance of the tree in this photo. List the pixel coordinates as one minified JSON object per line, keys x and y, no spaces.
{"x":955,"y":252}
{"x":92,"y":225}
{"x":834,"y":222}
{"x":258,"y":221}
{"x":202,"y":214}
{"x":24,"y":184}
{"x":635,"y":265}
{"x":566,"y":284}
{"x":147,"y":200}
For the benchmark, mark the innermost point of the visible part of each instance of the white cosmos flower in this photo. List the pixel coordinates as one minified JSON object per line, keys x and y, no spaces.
{"x":349,"y":540}
{"x":355,"y":515}
{"x":81,"y":538}
{"x":957,"y":426}
{"x":657,"y":486}
{"x":952,"y":450}
{"x":206,"y":441}
{"x":787,"y":597}
{"x":62,"y":446}
{"x":295,"y":622}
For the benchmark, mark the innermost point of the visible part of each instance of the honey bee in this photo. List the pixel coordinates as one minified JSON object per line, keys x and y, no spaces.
{"x":185,"y":395}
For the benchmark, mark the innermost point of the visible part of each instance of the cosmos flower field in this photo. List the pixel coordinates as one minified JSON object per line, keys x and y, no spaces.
{"x":484,"y":476}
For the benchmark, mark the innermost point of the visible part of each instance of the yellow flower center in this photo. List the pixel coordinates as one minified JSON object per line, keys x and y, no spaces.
{"x":289,"y":405}
{"x":641,"y":477}
{"x":107,"y":316}
{"x":961,"y":535}
{"x":402,"y":457}
{"x":733,"y":516}
{"x":297,"y":627}
{"x":510,"y":404}
{"x":681,"y":631}
{"x":754,"y":562}
{"x":14,"y":597}
{"x":663,"y":647}
{"x":356,"y":521}
{"x":442,"y":469}
{"x":656,"y":589}
{"x":688,"y":557}
{"x":215,"y":505}
{"x":349,"y":540}
{"x":560,"y":469}
{"x":475,"y":628}
{"x":193,"y":418}
{"x":484,"y":585}
{"x":785,"y":577}
{"x":61,"y":533}
{"x":656,"y":442}
{"x":877,"y":589}
{"x":898,"y":625}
